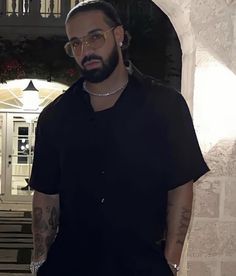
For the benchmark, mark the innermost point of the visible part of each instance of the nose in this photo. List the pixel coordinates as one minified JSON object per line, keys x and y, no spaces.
{"x":86,"y":49}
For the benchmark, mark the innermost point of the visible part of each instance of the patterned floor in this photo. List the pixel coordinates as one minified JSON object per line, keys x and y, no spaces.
{"x":15,"y":243}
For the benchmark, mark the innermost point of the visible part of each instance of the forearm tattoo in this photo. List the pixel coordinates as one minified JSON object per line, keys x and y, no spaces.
{"x":38,"y":222}
{"x":45,"y":231}
{"x":49,"y":240}
{"x":184,"y":223}
{"x":53,"y":220}
{"x":39,"y":246}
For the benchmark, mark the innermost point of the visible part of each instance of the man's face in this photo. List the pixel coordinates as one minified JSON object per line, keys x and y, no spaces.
{"x":108,"y":65}
{"x":96,"y":64}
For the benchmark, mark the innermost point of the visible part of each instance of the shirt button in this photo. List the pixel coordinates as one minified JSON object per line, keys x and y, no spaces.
{"x":102,"y":200}
{"x":102,"y":172}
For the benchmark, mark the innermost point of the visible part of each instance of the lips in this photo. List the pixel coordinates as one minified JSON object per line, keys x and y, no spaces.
{"x":92,"y":64}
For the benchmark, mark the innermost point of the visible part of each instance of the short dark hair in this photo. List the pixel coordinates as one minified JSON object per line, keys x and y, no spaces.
{"x":111,"y":15}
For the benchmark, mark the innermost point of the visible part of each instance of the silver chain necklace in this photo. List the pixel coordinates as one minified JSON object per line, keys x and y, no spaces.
{"x":104,"y":94}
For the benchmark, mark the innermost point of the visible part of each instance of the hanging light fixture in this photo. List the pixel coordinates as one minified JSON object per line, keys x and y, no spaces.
{"x":30,"y":97}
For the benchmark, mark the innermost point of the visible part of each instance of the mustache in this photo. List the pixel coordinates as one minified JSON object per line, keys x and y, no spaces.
{"x":91,"y":57}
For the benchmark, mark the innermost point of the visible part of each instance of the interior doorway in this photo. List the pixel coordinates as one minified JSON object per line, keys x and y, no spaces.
{"x":17,"y":136}
{"x":17,"y":150}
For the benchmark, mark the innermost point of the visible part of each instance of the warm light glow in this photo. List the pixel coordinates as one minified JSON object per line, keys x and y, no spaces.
{"x":30,"y":100}
{"x":11,"y":93}
{"x":30,"y":97}
{"x":39,"y":84}
{"x":215,"y":103}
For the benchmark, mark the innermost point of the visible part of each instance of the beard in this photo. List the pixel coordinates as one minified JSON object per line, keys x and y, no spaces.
{"x":100,"y":74}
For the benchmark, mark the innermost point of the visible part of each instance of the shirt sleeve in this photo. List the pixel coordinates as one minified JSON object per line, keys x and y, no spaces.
{"x":45,"y":170}
{"x":184,"y":158}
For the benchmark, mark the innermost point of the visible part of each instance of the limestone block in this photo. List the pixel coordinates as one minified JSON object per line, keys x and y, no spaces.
{"x":233,"y":53}
{"x":211,"y":238}
{"x":227,"y":241}
{"x":204,"y":239}
{"x":213,"y":27}
{"x":199,"y":268}
{"x":232,"y":161}
{"x":210,"y":10}
{"x":207,"y":197}
{"x":230,"y":198}
{"x":222,"y":159}
{"x":228,"y":268}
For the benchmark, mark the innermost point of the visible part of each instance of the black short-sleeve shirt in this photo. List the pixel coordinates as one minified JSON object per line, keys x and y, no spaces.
{"x":113,"y":169}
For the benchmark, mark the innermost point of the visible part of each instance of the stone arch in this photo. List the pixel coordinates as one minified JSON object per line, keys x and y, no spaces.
{"x":179,"y":16}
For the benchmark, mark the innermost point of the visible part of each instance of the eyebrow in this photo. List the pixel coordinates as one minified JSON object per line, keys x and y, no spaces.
{"x":90,"y":32}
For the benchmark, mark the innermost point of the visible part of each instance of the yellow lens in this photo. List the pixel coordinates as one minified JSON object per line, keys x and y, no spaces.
{"x":76,"y":46}
{"x":68,"y":49}
{"x":96,"y":40}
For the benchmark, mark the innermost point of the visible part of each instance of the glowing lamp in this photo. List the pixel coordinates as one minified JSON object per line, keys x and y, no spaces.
{"x":30,"y":97}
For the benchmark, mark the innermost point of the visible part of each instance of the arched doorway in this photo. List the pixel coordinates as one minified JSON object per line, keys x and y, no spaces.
{"x":154,"y":46}
{"x":179,"y":16}
{"x":17,"y":135}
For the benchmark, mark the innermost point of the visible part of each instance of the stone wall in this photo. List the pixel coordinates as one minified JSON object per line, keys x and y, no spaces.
{"x":212,"y":242}
{"x":207,"y":32}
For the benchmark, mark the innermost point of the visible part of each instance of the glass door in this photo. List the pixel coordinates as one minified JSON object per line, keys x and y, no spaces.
{"x":19,"y":155}
{"x":2,"y":152}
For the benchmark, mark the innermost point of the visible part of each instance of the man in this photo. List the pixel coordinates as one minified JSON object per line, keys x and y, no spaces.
{"x":115,"y":160}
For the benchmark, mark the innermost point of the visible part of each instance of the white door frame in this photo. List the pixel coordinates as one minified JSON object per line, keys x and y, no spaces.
{"x":7,"y":157}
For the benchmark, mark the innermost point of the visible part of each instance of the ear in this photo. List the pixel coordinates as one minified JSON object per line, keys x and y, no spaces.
{"x":119,"y":35}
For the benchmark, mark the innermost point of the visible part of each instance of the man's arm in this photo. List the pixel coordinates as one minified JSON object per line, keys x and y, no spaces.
{"x":178,"y":218}
{"x":45,"y":216}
